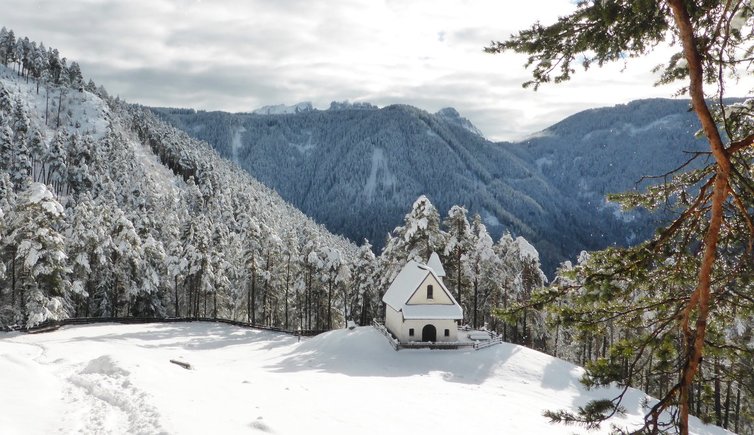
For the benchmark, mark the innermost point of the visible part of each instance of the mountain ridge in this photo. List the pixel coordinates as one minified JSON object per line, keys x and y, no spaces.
{"x":357,"y":171}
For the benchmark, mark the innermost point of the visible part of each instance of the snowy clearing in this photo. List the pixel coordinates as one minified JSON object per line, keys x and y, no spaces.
{"x":113,"y":379}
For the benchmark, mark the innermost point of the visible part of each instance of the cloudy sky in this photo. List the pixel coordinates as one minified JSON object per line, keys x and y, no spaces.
{"x":238,"y":55}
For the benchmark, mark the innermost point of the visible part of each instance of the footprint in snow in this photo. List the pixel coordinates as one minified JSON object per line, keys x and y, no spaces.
{"x":260,"y":425}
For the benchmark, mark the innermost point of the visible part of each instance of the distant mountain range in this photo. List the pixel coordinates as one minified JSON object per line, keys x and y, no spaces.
{"x":357,"y":168}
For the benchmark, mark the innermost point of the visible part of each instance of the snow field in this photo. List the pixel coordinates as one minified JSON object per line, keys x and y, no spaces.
{"x":114,"y":379}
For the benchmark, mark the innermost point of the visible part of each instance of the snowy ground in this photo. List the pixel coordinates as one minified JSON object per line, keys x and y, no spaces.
{"x":115,"y":379}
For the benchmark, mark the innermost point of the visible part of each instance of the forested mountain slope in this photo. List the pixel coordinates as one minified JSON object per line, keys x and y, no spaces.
{"x":610,"y":149}
{"x":357,"y":168}
{"x":107,"y":211}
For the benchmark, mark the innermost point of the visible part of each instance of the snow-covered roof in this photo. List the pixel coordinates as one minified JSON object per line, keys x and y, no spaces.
{"x":435,"y":311}
{"x":405,"y":284}
{"x":436,"y":265}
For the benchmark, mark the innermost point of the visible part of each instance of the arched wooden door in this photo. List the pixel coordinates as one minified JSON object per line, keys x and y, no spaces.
{"x":429,"y":333}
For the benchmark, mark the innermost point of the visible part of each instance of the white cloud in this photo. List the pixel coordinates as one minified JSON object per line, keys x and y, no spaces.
{"x":237,"y":55}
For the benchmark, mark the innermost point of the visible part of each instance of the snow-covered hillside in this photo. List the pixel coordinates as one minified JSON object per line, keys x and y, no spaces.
{"x":114,"y":379}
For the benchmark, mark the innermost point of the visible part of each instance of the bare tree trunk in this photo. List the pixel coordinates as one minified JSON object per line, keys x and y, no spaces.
{"x":458,"y":274}
{"x":329,"y":302}
{"x":476,"y":301}
{"x":738,"y":408}
{"x":248,"y":303}
{"x":13,"y":278}
{"x":265,"y":312}
{"x":346,"y":309}
{"x":114,"y":301}
{"x":309,"y":298}
{"x":718,"y":394}
{"x":700,"y":298}
{"x":287,"y":288}
{"x":726,"y":419}
{"x":253,"y":295}
{"x":176,"y":312}
{"x":60,"y":103}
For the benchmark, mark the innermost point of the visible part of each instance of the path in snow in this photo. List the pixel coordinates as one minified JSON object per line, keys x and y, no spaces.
{"x":111,"y":403}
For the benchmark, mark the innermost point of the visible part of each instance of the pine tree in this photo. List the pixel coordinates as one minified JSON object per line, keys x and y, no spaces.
{"x":80,"y":156}
{"x":8,"y":45}
{"x":56,"y":162}
{"x":148,"y":299}
{"x":74,"y":76}
{"x":21,"y":162}
{"x":416,"y":239}
{"x":39,"y":64}
{"x":126,"y":260}
{"x":459,"y":242}
{"x":40,"y":254}
{"x":6,"y":104}
{"x":7,"y":153}
{"x":713,"y":205}
{"x":365,"y":300}
{"x":482,"y":265}
{"x":2,"y":233}
{"x":38,"y":148}
{"x":87,"y":248}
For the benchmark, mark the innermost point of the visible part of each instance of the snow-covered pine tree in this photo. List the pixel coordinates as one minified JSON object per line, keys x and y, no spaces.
{"x":149,"y":300}
{"x":482,"y":267}
{"x":87,"y":248}
{"x":21,"y":161}
{"x":523,"y":275}
{"x":40,"y":262}
{"x":365,"y":300}
{"x":75,"y":78}
{"x":7,"y":153}
{"x":235,"y":273}
{"x":290,"y":254}
{"x":39,"y":64}
{"x":221,"y":268}
{"x":312,"y":265}
{"x":269,"y":277}
{"x":2,"y":264}
{"x":6,"y":104}
{"x":196,"y":250}
{"x":80,"y":155}
{"x":177,"y":267}
{"x":459,"y":243}
{"x":8,"y":46}
{"x":39,"y":151}
{"x":252,"y":234}
{"x":416,"y":239}
{"x":56,"y":162}
{"x":126,"y":259}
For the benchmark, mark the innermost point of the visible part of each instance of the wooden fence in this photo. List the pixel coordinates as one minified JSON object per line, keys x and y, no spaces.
{"x":397,"y":345}
{"x":55,"y":324}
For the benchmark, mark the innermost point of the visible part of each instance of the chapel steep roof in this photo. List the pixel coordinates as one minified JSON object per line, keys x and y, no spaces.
{"x":436,"y":265}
